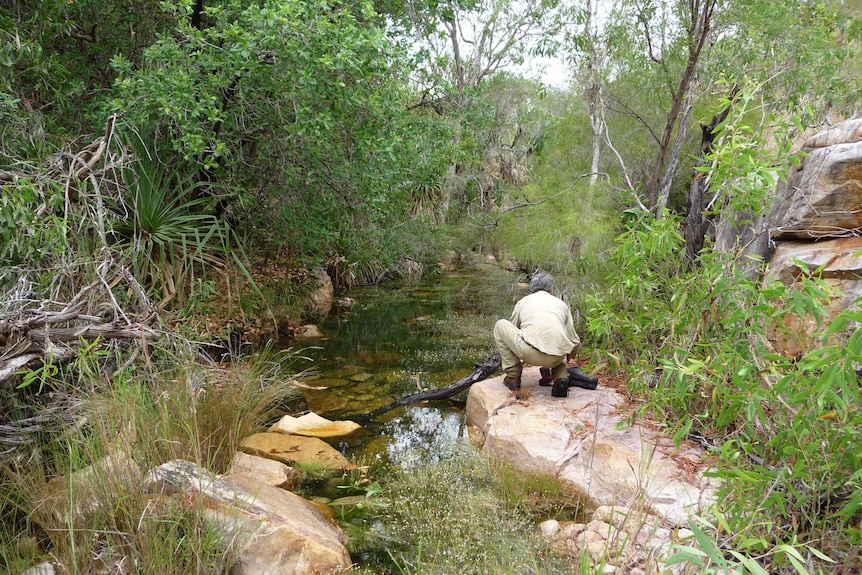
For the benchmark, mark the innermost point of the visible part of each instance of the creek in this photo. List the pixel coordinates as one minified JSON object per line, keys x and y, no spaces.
{"x":399,"y":338}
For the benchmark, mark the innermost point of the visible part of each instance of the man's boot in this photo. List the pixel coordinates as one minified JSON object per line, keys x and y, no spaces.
{"x":561,"y":388}
{"x":512,"y":382}
{"x":580,"y":379}
{"x":547,"y":380}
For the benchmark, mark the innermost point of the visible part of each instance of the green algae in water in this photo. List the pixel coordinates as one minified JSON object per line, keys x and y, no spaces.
{"x":401,"y":338}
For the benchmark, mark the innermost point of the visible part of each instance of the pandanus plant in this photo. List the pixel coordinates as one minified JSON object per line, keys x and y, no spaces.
{"x":166,"y":228}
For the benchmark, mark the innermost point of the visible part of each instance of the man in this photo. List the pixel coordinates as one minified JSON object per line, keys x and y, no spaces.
{"x":541,"y":332}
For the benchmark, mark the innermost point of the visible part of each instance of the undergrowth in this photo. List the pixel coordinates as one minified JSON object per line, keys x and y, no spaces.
{"x":700,"y":344}
{"x":466,"y":514}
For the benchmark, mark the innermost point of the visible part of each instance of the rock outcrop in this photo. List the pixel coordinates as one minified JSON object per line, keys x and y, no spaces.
{"x":817,"y":221}
{"x":584,"y":440}
{"x":822,"y":196}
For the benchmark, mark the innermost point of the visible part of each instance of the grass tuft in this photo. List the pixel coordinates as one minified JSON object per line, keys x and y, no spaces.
{"x":76,"y":499}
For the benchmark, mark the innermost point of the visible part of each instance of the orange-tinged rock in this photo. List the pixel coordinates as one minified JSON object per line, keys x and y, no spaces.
{"x":294,"y":449}
{"x":268,"y":530}
{"x":265,"y":470}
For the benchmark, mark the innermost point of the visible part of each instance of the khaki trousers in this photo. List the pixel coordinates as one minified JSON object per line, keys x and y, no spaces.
{"x":515,"y":352}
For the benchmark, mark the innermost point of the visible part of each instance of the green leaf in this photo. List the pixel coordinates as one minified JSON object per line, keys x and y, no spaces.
{"x":686,"y":554}
{"x":819,"y":554}
{"x":794,"y":556}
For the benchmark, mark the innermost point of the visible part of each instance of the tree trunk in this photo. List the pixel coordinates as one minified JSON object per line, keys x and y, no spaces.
{"x":696,"y":222}
{"x":699,"y":29}
{"x":481,"y":371}
{"x":197,"y":14}
{"x":673,"y":162}
{"x":594,"y":94}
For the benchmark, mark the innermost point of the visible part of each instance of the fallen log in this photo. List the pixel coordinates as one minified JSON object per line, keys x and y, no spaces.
{"x":482,"y":371}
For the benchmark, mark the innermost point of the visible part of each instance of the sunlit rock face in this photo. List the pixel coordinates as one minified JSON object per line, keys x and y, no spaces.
{"x":312,"y":425}
{"x":264,"y":470}
{"x":290,"y":449}
{"x":583,"y":440}
{"x":822,"y":197}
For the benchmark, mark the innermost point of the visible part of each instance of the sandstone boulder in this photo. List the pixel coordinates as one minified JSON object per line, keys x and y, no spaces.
{"x":840,"y":269}
{"x":822,"y":197}
{"x":264,"y":470}
{"x":269,"y":530}
{"x":582,"y":440}
{"x":323,"y":297}
{"x":308,"y":331}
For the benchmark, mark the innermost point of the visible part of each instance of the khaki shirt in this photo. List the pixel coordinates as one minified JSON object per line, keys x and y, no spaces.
{"x":546,"y":323}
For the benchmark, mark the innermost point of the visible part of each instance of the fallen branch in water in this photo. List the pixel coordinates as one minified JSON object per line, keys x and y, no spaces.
{"x":481,"y":371}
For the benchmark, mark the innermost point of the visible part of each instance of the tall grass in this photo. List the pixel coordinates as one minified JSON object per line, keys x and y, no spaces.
{"x":76,"y":499}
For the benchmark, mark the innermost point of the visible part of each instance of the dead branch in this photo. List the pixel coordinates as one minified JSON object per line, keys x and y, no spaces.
{"x":481,"y":371}
{"x":30,"y":337}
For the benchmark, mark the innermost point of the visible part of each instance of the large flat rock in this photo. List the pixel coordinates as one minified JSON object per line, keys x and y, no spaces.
{"x":583,"y":440}
{"x":292,"y":449}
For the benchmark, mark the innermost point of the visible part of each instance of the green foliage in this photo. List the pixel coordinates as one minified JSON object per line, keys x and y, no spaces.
{"x":557,"y":220}
{"x":446,"y":517}
{"x":54,"y":55}
{"x":788,"y":428}
{"x":803,"y":69}
{"x":299,"y":104}
{"x":710,"y":560}
{"x":126,"y":421}
{"x":651,"y":302}
{"x":31,"y":232}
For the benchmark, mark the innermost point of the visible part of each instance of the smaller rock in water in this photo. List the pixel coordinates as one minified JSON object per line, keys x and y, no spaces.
{"x":308,"y":331}
{"x":313,"y":425}
{"x":294,"y":449}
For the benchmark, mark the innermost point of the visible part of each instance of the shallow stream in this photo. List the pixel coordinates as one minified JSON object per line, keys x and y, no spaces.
{"x":399,"y":338}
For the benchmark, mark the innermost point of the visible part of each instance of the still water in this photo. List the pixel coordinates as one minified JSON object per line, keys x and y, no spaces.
{"x":400,"y":338}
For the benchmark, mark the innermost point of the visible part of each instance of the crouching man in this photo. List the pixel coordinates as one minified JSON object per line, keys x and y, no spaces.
{"x":540,"y":332}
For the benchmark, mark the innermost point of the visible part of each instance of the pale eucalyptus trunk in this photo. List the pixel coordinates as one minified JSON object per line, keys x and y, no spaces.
{"x":594,"y":95}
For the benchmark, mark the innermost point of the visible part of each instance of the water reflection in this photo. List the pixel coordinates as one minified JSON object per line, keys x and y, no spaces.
{"x":424,"y":435}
